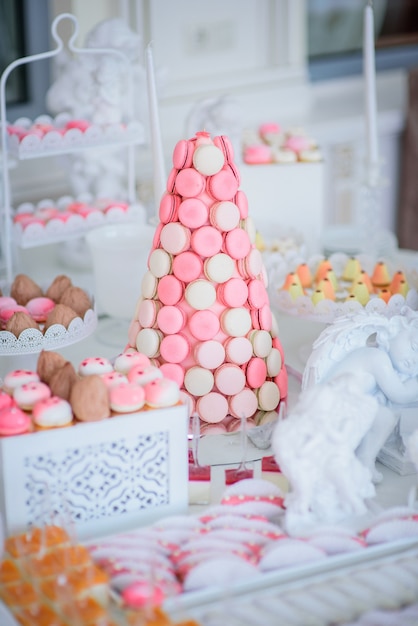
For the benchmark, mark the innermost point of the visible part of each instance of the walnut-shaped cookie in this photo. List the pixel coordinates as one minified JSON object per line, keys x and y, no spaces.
{"x":24,"y":289}
{"x":90,"y":399}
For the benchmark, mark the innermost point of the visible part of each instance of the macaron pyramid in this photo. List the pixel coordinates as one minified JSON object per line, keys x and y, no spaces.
{"x":204,"y":314}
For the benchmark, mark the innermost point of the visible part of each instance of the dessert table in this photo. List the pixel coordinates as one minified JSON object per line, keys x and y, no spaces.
{"x":258,"y":601}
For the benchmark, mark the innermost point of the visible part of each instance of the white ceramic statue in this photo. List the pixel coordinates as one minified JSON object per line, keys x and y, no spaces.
{"x":315,"y":447}
{"x":384,"y":352}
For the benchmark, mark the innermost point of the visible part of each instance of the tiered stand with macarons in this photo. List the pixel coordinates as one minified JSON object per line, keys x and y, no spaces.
{"x":204,"y":313}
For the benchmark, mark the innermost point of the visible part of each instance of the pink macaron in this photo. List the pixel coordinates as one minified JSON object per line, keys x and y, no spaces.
{"x":170,"y":290}
{"x":193,"y":213}
{"x":39,"y":308}
{"x":223,"y":185}
{"x":187,"y":266}
{"x":189,"y":183}
{"x":169,"y":207}
{"x":183,"y":154}
{"x":206,"y":241}
{"x":126,"y":397}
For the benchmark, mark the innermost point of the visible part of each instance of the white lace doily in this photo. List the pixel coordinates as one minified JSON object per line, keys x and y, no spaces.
{"x":32,"y":340}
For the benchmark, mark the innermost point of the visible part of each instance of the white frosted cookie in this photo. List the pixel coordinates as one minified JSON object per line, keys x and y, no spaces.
{"x":52,"y":412}
{"x":95,"y":365}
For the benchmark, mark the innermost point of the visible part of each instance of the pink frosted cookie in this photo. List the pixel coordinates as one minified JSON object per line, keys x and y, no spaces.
{"x":223,"y":185}
{"x":243,"y":404}
{"x":39,"y":308}
{"x":126,"y":360}
{"x":224,"y":216}
{"x":175,"y":348}
{"x":212,"y":407}
{"x":170,"y":290}
{"x":189,"y":183}
{"x":175,"y":238}
{"x":27,"y":395}
{"x":229,"y":379}
{"x":256,"y":372}
{"x":269,"y":131}
{"x":187,"y":266}
{"x":173,"y":371}
{"x":241,"y":201}
{"x":144,"y":593}
{"x":143,"y":374}
{"x":193,"y":213}
{"x":238,"y":350}
{"x":169,"y":208}
{"x":233,"y":293}
{"x":147,"y":312}
{"x":237,"y":243}
{"x":170,"y":319}
{"x":111,"y":379}
{"x":126,"y":397}
{"x":95,"y":365}
{"x":162,"y":392}
{"x":14,"y":421}
{"x":52,"y":412}
{"x":16,"y":378}
{"x":204,"y":325}
{"x":209,"y":354}
{"x":257,"y":293}
{"x":183,"y":154}
{"x":206,"y":241}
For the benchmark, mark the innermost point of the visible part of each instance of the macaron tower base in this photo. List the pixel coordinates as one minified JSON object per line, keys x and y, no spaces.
{"x":204,"y":314}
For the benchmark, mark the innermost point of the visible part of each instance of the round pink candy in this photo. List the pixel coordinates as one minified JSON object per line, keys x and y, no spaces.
{"x":258,"y":154}
{"x":209,"y":354}
{"x":174,"y":348}
{"x":257,"y":294}
{"x":229,"y":379}
{"x":204,"y":325}
{"x":170,"y":319}
{"x":173,"y":371}
{"x":241,"y":201}
{"x":183,"y":154}
{"x":147,"y":313}
{"x":212,"y":407}
{"x":193,"y":213}
{"x":175,"y":238}
{"x":233,"y":293}
{"x":170,"y":290}
{"x":238,"y":350}
{"x":206,"y":241}
{"x":143,"y":374}
{"x":168,"y":207}
{"x":162,"y":392}
{"x":189,"y":183}
{"x":256,"y":372}
{"x":237,"y":243}
{"x":243,"y":404}
{"x":223,"y":185}
{"x":111,"y":379}
{"x":187,"y":266}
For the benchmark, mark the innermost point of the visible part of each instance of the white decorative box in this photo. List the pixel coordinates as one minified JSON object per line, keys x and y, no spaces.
{"x":98,"y":477}
{"x":289,"y":196}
